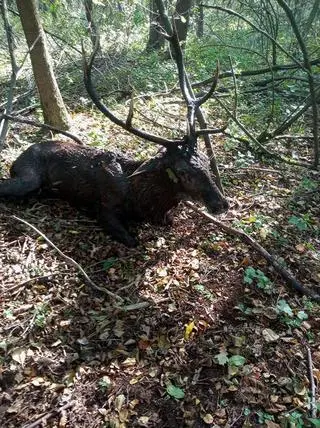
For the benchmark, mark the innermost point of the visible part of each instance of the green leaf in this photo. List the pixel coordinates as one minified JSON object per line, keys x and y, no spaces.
{"x":283,"y":307}
{"x":175,"y":391}
{"x":300,"y":223}
{"x":108,"y":263}
{"x":237,"y":360}
{"x":249,"y":275}
{"x":222,"y":358}
{"x":302,"y":315}
{"x":315,"y":422}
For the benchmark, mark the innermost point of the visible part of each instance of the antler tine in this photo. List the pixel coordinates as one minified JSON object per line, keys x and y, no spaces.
{"x":208,"y":95}
{"x":185,"y":86}
{"x":87,"y":68}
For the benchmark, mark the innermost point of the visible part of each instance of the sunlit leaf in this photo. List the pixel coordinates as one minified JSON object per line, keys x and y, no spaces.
{"x":222,"y":358}
{"x":19,"y":355}
{"x":175,"y":391}
{"x":269,"y":335}
{"x":207,"y":418}
{"x":283,"y":307}
{"x":236,"y":360}
{"x":188,"y":330}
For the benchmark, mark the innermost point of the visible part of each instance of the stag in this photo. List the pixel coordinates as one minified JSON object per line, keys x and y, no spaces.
{"x":118,"y":189}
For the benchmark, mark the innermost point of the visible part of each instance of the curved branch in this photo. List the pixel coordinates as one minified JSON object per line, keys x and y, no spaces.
{"x":70,"y":261}
{"x":284,"y":5}
{"x":290,"y":279}
{"x":259,"y":30}
{"x":41,"y":125}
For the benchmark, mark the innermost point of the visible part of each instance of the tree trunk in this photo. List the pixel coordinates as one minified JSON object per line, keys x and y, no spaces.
{"x":182,"y":15}
{"x":156,"y":39}
{"x":200,"y":19}
{"x":312,"y":16}
{"x":53,"y":108}
{"x":92,"y":28}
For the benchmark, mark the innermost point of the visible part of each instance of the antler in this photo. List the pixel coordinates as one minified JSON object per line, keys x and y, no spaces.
{"x":87,"y":68}
{"x":193,"y":103}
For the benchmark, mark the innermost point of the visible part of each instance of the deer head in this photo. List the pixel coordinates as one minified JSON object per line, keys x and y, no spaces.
{"x":187,"y":167}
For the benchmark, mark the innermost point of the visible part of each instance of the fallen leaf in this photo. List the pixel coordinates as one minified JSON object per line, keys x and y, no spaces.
{"x":162,"y":272}
{"x":300,"y":248}
{"x":188,"y":330}
{"x":271,"y":424}
{"x":175,"y":391}
{"x":236,"y":360}
{"x":207,"y":418}
{"x":119,"y":402}
{"x":269,"y":335}
{"x":222,"y":358}
{"x":19,"y":355}
{"x":143,"y":420}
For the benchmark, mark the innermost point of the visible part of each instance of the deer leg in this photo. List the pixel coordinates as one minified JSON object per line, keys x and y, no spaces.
{"x":113,"y":226}
{"x":19,"y":186}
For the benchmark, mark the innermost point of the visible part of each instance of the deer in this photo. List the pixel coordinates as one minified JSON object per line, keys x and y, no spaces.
{"x":117,"y":189}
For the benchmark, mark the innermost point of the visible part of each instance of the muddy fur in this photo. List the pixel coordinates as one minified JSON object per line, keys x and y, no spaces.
{"x":115,"y":188}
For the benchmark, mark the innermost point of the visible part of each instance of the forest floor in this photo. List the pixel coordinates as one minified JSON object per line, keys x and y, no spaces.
{"x":210,"y":335}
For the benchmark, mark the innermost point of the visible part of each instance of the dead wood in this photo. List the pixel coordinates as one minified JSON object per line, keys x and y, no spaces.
{"x":289,"y":279}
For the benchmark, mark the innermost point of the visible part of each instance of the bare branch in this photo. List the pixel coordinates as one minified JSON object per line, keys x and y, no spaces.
{"x":290,"y":280}
{"x":313,"y":403}
{"x":211,"y":131}
{"x":87,"y":68}
{"x":258,"y":29}
{"x":70,"y":261}
{"x":307,"y":66}
{"x":41,"y":125}
{"x":209,"y":94}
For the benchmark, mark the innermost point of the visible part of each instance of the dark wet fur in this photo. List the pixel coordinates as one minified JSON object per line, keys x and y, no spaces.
{"x":117,"y":189}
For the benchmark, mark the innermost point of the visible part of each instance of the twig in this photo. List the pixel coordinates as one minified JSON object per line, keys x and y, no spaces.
{"x":311,"y":80}
{"x":4,"y":124}
{"x":249,"y":73}
{"x":42,"y":419}
{"x":290,"y":280}
{"x":313,"y":406}
{"x":70,"y":261}
{"x":235,"y":87}
{"x":252,"y":168}
{"x":293,"y":137}
{"x":41,"y":125}
{"x":27,"y":281}
{"x":258,"y":29}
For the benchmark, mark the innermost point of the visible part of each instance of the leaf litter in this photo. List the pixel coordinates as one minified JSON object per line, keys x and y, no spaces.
{"x":199,"y":344}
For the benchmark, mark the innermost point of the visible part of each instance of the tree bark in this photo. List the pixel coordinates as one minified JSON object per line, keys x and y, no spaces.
{"x":156,"y":39}
{"x":53,"y":108}
{"x":200,"y":19}
{"x":92,"y":28}
{"x":182,"y":16}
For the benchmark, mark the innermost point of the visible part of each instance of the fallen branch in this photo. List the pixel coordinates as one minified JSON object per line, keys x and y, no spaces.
{"x":313,"y":405}
{"x":41,"y":420}
{"x":70,"y":261}
{"x":290,"y":280}
{"x":41,"y":125}
{"x":249,"y":73}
